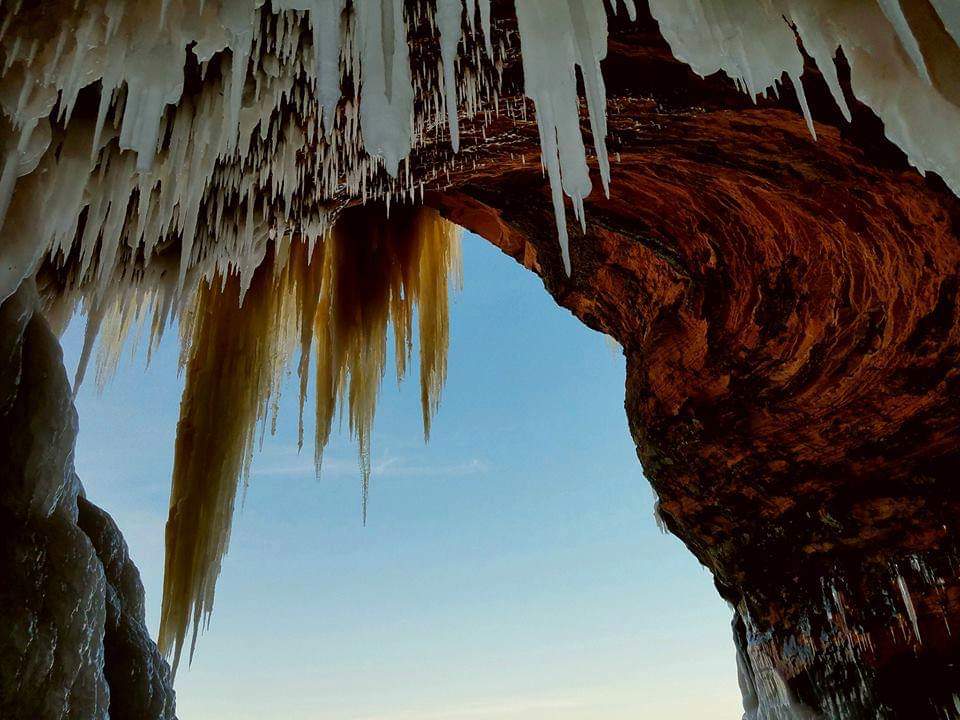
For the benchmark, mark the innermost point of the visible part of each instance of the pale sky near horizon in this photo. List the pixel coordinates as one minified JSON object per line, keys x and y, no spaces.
{"x":509,"y":570}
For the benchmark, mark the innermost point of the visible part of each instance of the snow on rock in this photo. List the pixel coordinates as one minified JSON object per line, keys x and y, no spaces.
{"x":902,"y":60}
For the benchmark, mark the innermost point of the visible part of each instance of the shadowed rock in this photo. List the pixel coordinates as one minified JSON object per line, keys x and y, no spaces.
{"x":74,"y":644}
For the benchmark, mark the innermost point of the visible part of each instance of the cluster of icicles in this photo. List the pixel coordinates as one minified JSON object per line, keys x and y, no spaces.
{"x":338,"y":296}
{"x":903,"y":57}
{"x":185,"y":158}
{"x":221,"y":124}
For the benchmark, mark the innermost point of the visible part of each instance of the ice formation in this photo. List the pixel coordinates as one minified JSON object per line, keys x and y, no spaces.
{"x":557,"y":38}
{"x":219,"y":123}
{"x":339,"y":296}
{"x":903,"y":58}
{"x":158,"y":155}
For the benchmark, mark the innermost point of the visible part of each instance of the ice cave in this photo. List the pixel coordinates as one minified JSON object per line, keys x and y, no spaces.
{"x":756,"y":199}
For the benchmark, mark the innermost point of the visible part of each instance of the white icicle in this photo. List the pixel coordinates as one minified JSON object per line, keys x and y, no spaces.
{"x":449,"y":20}
{"x":908,"y":604}
{"x":894,"y":13}
{"x":326,"y":46}
{"x":486,"y":27}
{"x":949,"y":11}
{"x":556,"y":37}
{"x":386,"y":94}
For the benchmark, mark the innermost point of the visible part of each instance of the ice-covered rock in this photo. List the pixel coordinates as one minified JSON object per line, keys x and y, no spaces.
{"x":74,"y":645}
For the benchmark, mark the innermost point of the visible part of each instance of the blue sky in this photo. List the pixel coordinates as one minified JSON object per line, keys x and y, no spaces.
{"x":509,"y":570}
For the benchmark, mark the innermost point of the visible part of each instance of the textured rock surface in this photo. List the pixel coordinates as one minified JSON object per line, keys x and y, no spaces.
{"x":137,"y":675}
{"x":73,"y":645}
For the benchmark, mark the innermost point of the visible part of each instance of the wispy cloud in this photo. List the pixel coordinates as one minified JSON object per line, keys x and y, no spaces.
{"x":388,"y":467}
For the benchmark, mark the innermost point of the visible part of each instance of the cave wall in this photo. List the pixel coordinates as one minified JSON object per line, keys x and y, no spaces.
{"x":74,"y":644}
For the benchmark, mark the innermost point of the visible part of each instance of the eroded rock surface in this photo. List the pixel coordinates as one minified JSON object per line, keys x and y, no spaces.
{"x":73,"y":644}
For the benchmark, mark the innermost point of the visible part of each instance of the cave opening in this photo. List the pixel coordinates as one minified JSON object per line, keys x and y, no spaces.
{"x":510,"y":567}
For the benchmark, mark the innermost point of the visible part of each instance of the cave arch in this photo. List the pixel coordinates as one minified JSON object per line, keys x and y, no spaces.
{"x":791,"y":336}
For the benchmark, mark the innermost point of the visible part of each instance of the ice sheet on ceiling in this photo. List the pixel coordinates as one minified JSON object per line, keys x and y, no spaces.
{"x":232,"y":152}
{"x":161,"y":161}
{"x":903,"y":57}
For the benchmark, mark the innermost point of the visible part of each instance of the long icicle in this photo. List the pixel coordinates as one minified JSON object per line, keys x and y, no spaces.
{"x":370,"y":274}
